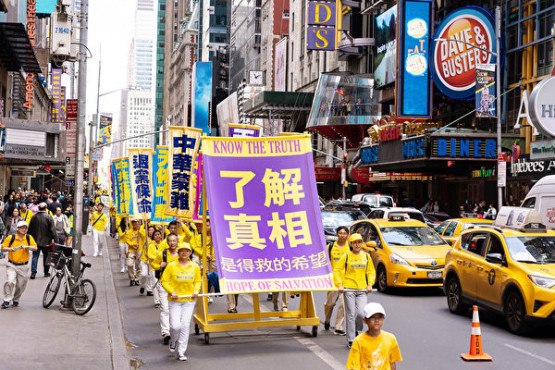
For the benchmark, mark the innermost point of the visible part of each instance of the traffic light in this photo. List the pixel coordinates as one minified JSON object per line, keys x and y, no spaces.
{"x":345,"y":158}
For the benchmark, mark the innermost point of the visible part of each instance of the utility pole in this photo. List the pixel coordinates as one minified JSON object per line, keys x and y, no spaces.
{"x":81,"y":140}
{"x":344,"y":168}
{"x":498,"y":97}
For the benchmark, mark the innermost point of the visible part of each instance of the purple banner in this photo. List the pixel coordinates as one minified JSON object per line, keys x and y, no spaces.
{"x":321,"y":38}
{"x":321,"y":14}
{"x":265,"y":217}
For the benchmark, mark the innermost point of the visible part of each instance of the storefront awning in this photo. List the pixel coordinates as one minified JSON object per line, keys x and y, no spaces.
{"x":278,"y":104}
{"x":16,"y":51}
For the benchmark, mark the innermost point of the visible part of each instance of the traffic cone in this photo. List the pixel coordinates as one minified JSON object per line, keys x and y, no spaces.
{"x":476,"y":350}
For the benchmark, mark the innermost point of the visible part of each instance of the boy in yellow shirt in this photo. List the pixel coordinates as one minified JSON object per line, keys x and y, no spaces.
{"x":374,"y":349}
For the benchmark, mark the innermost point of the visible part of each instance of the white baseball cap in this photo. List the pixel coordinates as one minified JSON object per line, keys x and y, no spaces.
{"x":373,"y":308}
{"x":22,"y":224}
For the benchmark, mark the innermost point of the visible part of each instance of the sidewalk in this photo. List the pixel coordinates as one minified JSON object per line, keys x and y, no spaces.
{"x":35,"y":337}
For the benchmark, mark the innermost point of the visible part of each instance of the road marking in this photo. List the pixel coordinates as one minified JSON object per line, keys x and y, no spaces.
{"x":321,"y":353}
{"x":547,"y":361}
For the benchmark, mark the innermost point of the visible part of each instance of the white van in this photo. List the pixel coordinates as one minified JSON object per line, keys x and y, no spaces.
{"x":374,"y":200}
{"x":542,"y":198}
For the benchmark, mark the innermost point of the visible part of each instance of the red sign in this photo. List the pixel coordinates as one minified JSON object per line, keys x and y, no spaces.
{"x":327,"y":173}
{"x":391,"y":133}
{"x":31,"y":27}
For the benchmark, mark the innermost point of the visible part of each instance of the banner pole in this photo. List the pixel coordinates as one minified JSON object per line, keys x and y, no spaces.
{"x":203,"y":235}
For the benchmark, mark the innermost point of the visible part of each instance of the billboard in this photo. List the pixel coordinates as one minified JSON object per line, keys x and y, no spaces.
{"x":202,"y":72}
{"x":386,"y":44}
{"x":280,"y":64}
{"x":45,"y":6}
{"x":227,"y":112}
{"x":322,"y":22}
{"x":413,"y":90}
{"x":452,"y":63}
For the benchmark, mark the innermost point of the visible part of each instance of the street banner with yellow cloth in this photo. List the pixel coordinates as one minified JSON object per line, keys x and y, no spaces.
{"x":197,"y":178}
{"x":160,"y":161}
{"x":184,"y":145}
{"x":122,"y":186}
{"x":141,"y":184}
{"x":265,"y":215}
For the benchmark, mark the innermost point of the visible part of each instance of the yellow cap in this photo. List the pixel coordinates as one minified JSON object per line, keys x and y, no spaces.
{"x":355,"y":237}
{"x":184,"y":246}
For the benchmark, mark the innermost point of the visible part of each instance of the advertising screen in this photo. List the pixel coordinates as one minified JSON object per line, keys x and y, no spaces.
{"x":386,"y":44}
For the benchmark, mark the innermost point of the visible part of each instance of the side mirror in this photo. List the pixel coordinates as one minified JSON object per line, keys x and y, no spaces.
{"x":372,"y":245}
{"x":495,"y":258}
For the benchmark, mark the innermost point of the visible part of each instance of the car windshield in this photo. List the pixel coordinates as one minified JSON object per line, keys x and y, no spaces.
{"x":411,"y":236}
{"x":477,"y":224}
{"x":336,"y":219}
{"x":532,"y":249}
{"x":377,"y":201}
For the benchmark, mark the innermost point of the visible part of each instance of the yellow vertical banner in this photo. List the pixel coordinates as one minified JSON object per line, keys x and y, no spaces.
{"x":184,"y":146}
{"x":140,"y":162}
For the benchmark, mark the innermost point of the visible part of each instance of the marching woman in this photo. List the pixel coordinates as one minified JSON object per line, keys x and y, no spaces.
{"x":354,"y":274}
{"x":181,"y":277}
{"x":153,"y":250}
{"x":147,"y":274}
{"x":122,"y":228}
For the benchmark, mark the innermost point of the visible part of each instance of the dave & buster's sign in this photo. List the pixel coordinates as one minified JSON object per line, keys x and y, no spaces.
{"x":452,"y":63}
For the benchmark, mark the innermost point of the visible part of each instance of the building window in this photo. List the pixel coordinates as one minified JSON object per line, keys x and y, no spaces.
{"x":545,"y":58}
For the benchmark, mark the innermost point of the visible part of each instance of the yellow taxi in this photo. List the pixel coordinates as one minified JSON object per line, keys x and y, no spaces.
{"x":451,"y":229}
{"x":405,"y":252}
{"x":509,"y":268}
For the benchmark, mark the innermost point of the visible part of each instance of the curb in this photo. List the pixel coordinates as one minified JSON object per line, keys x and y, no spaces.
{"x":119,"y":356}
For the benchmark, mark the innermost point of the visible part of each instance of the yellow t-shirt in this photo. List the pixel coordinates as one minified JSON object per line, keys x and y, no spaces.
{"x":27,"y":216}
{"x":359,"y":273}
{"x":21,"y":255}
{"x":196,"y":244}
{"x":132,"y":238}
{"x":336,"y":253}
{"x":100,"y":225}
{"x":153,"y":250}
{"x":374,"y":353}
{"x":155,"y":264}
{"x":182,"y":280}
{"x":185,"y":234}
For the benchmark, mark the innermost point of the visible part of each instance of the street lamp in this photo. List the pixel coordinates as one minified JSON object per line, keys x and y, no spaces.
{"x":498,"y":89}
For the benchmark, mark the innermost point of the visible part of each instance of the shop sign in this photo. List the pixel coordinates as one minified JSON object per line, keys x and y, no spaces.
{"x":502,"y":170}
{"x":390,"y":133}
{"x":522,"y":166}
{"x":369,"y":155}
{"x":542,"y":106}
{"x":464,"y":147}
{"x":452,"y":63}
{"x":543,"y":149}
{"x":484,"y":172}
{"x":414,"y":87}
{"x":322,"y":20}
{"x":413,"y":148}
{"x":327,"y":173}
{"x":31,"y":32}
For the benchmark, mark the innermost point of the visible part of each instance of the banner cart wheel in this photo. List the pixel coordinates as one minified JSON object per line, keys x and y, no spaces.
{"x":197,"y":330}
{"x":206,"y":338}
{"x":315,"y":331}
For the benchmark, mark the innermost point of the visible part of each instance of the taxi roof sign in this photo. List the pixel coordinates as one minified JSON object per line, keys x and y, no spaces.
{"x":523,"y":219}
{"x":398,"y":217}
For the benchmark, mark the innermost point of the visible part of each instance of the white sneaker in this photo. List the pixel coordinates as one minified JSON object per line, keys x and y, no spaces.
{"x":100,"y":253}
{"x":122,"y":269}
{"x":172,"y":346}
{"x":182,"y":358}
{"x":95,"y":254}
{"x":210,"y":300}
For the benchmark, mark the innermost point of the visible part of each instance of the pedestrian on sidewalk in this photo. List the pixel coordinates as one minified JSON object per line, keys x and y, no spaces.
{"x":354,"y":275}
{"x":61,"y":223}
{"x":336,"y":250}
{"x":135,"y":238}
{"x":99,"y":222}
{"x":375,"y":348}
{"x":12,"y":221}
{"x":25,"y":213}
{"x":122,"y":229}
{"x":163,"y":258}
{"x":42,"y":229}
{"x":180,"y":278}
{"x":69,"y":215}
{"x":17,"y":268}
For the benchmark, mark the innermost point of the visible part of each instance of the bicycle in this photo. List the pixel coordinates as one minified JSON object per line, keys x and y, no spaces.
{"x":81,"y":292}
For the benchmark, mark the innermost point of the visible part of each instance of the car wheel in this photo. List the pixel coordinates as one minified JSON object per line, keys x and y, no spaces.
{"x":515,"y":312}
{"x":382,"y":279}
{"x":454,"y":296}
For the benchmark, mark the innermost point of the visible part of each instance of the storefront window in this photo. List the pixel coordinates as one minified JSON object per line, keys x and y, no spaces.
{"x":343,"y":99}
{"x":545,"y":58}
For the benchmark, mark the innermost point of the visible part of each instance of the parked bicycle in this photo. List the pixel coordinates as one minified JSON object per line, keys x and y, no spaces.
{"x":80,"y":292}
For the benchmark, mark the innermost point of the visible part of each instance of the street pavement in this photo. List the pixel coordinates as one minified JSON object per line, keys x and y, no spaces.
{"x":430,"y":337}
{"x":39,"y":338}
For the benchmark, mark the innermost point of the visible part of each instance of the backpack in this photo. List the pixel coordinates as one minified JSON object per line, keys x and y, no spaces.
{"x":158,"y":273}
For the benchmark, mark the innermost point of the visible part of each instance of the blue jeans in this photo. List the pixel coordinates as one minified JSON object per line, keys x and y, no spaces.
{"x":45,"y":252}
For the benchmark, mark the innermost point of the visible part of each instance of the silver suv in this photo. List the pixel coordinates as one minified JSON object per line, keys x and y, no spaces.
{"x":374,"y":200}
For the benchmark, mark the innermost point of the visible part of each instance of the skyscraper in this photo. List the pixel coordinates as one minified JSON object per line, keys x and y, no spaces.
{"x":144,"y":44}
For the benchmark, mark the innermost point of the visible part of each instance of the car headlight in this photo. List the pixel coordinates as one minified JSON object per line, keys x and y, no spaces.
{"x":542,"y":282}
{"x":398,"y":260}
